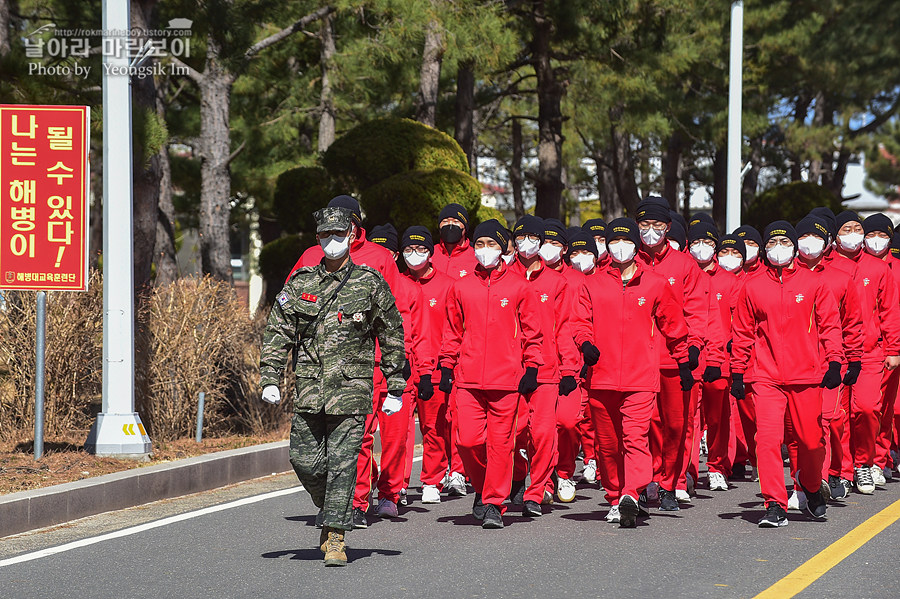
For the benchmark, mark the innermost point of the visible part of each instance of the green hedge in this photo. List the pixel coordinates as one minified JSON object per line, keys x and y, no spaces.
{"x":298,"y":193}
{"x":276,"y":258}
{"x":789,"y":202}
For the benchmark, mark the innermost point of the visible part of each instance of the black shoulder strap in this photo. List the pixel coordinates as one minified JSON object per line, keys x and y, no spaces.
{"x":329,"y":300}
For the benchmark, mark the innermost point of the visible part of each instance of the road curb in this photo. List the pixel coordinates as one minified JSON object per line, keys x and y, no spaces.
{"x":28,"y":510}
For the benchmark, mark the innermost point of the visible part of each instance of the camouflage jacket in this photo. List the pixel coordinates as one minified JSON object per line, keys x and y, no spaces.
{"x":334,"y":353}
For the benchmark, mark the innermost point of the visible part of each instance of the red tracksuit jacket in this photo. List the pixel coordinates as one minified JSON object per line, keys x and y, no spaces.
{"x":492,"y":332}
{"x":412,"y":309}
{"x":878,"y":294}
{"x":627,"y":323}
{"x":554,"y":303}
{"x":363,"y":252}
{"x":435,"y":288}
{"x":783,"y":324}
{"x":849,"y":307}
{"x":692,"y":289}
{"x":458,"y":264}
{"x":724,"y":288}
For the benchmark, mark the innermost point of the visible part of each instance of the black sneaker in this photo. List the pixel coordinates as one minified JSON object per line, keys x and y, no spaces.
{"x":738,"y":471}
{"x":775,"y":516}
{"x":667,"y":501}
{"x":492,"y":517}
{"x":517,"y":492}
{"x":359,"y":518}
{"x":532,"y":509}
{"x":320,"y":518}
{"x":628,"y":511}
{"x":643,"y":505}
{"x":816,"y":502}
{"x":478,"y":508}
{"x":835,"y":487}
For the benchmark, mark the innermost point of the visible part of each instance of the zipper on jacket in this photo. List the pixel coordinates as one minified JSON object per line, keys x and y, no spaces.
{"x":487,"y":319}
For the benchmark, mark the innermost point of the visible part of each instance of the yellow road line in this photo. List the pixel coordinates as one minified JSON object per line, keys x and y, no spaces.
{"x":828,"y":558}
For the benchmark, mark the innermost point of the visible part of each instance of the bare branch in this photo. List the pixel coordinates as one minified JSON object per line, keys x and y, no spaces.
{"x":191,"y":71}
{"x":879,"y":120}
{"x":237,"y":151}
{"x":299,"y":25}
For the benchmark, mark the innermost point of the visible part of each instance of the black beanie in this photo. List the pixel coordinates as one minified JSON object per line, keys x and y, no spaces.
{"x":826,"y":215}
{"x":417,"y":235}
{"x":582,"y":240}
{"x":454,"y":211}
{"x":878,"y":222}
{"x":812,"y":225}
{"x":595,"y":227}
{"x":845,"y":217}
{"x":385,"y":236}
{"x":701,"y":217}
{"x":895,"y":245}
{"x":703,"y":230}
{"x":654,"y":208}
{"x":494,"y":230}
{"x":571,"y":231}
{"x":676,"y":233}
{"x":623,"y":227}
{"x":529,"y":225}
{"x":677,"y":218}
{"x":780,"y":227}
{"x":345,"y":201}
{"x":746,"y":232}
{"x":555,"y":231}
{"x":734,"y":242}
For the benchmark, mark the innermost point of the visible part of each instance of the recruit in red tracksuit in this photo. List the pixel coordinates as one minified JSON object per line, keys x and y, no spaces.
{"x":486,"y":340}
{"x":457,"y":264}
{"x":878,"y":294}
{"x":849,"y":308}
{"x":363,"y":252}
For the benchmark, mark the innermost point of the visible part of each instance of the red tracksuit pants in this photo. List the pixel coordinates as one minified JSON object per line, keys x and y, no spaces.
{"x":865,"y":413}
{"x":831,"y":405}
{"x":746,"y":411}
{"x":889,"y":383}
{"x":669,"y":429}
{"x":456,"y":464}
{"x":536,"y":434}
{"x":803,"y":404}
{"x":435,"y":430}
{"x":486,"y":431}
{"x":622,"y":423}
{"x":569,"y":415}
{"x":586,"y":429}
{"x":696,"y":426}
{"x":716,"y":402}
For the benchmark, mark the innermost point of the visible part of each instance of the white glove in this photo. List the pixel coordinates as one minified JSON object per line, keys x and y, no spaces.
{"x":392,"y":404}
{"x":271,"y":394}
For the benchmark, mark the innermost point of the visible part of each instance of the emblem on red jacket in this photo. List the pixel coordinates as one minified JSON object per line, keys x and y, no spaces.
{"x":432,"y":302}
{"x":544,"y":297}
{"x":671,"y":280}
{"x":718,"y":297}
{"x":504,"y":302}
{"x":642,"y":300}
{"x":799,"y":298}
{"x":463,"y":273}
{"x":866,"y":282}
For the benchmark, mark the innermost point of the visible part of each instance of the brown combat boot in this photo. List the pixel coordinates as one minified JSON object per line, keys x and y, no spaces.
{"x":335,"y":555}
{"x":323,"y":539}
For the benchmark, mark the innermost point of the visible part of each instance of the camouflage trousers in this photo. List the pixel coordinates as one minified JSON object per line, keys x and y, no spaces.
{"x":324,"y":450}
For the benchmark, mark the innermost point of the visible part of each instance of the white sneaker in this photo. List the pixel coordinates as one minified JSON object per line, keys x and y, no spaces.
{"x":797,"y":500}
{"x":717,"y":482}
{"x":653,"y":491}
{"x":613,"y":516}
{"x":430,"y":494}
{"x":565,"y":490}
{"x":682,"y":496}
{"x":878,"y":476}
{"x":864,"y":482}
{"x":590,"y":472}
{"x":689,"y":483}
{"x":457,"y":485}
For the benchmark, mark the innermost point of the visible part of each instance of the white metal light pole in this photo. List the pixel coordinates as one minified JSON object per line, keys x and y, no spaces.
{"x":118,"y":430}
{"x":733,"y":198}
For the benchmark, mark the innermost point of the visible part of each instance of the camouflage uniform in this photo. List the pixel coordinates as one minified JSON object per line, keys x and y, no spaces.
{"x":334,"y":364}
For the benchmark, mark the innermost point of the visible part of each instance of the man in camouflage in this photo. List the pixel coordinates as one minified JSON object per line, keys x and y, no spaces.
{"x":330,"y":315}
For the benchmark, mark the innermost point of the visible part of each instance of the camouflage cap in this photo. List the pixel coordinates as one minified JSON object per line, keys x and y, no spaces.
{"x":332,"y":219}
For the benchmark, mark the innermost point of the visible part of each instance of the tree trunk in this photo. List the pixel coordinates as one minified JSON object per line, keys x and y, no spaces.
{"x":326,"y":98}
{"x":672,"y":167}
{"x":610,"y":202}
{"x":515,"y":169}
{"x":548,"y":183}
{"x":815,"y":165}
{"x":215,"y":186}
{"x":836,"y":178}
{"x":623,"y":166}
{"x":465,"y":112}
{"x":430,"y":74}
{"x":751,"y":179}
{"x":5,"y":46}
{"x":720,"y":187}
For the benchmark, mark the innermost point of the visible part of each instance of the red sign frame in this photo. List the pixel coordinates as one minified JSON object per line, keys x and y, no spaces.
{"x":44,"y":197}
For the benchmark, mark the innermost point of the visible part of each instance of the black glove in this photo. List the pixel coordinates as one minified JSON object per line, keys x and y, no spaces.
{"x":728,"y":346}
{"x":426,"y":387}
{"x":832,"y":376}
{"x":687,"y":379}
{"x":737,"y":386}
{"x":446,"y":383}
{"x":852,"y":373}
{"x":567,"y":384}
{"x":528,"y":382}
{"x":712,"y":374}
{"x":590,"y":352}
{"x":407,"y":370}
{"x":693,"y":357}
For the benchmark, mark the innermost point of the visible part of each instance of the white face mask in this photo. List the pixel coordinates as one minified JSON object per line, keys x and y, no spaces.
{"x":488,"y":257}
{"x":877,"y":245}
{"x":674,"y":245}
{"x":336,"y":247}
{"x":550,"y":253}
{"x":528,"y":248}
{"x":730,"y":262}
{"x":780,"y":255}
{"x":601,"y":248}
{"x":811,"y":247}
{"x":415,"y":259}
{"x":583,"y":262}
{"x":622,"y":251}
{"x":508,"y":258}
{"x":851,"y":241}
{"x":702,"y":253}
{"x":752,"y":254}
{"x":651,"y":237}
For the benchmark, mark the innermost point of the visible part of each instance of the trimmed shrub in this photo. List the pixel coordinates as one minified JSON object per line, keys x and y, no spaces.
{"x":298,"y":193}
{"x":789,"y":202}
{"x":485,"y":213}
{"x":277,"y":258}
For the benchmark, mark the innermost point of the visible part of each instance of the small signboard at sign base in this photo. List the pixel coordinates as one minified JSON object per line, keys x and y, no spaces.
{"x":44,"y":200}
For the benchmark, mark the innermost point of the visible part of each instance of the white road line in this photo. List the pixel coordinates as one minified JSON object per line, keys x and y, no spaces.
{"x":27,"y":557}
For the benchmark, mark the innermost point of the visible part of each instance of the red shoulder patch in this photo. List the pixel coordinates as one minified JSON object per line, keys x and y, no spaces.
{"x":309,"y":297}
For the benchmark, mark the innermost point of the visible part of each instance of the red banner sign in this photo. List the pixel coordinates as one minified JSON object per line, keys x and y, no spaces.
{"x":44,"y":207}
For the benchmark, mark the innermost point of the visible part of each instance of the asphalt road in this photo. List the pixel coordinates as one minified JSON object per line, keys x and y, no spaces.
{"x":258,"y":540}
